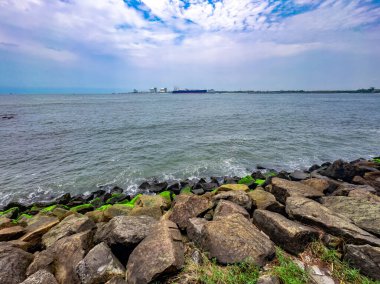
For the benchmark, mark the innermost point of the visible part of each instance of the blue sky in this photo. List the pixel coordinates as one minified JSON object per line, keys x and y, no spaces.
{"x":115,"y":45}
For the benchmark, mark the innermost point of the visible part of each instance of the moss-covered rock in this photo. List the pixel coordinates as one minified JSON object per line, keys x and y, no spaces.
{"x":150,"y":205}
{"x":186,"y":190}
{"x":11,"y":213}
{"x":84,"y":208}
{"x":116,"y":210}
{"x":115,"y":198}
{"x":228,"y":187}
{"x":246,"y":180}
{"x":97,"y":202}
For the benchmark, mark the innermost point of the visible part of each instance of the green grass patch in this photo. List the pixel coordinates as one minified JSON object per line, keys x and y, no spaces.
{"x":246,"y":180}
{"x":288,"y":271}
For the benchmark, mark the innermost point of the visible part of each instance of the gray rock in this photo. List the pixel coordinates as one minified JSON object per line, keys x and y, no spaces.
{"x":225,"y":208}
{"x":345,"y":188}
{"x":99,"y":266}
{"x":340,"y":170}
{"x":317,"y":276}
{"x":234,"y":239}
{"x":291,"y":236}
{"x":117,"y":280}
{"x":268,"y":279}
{"x":299,"y":175}
{"x":265,"y":200}
{"x":160,"y":253}
{"x":194,"y":229}
{"x":365,"y":258}
{"x":41,"y":277}
{"x":239,"y":197}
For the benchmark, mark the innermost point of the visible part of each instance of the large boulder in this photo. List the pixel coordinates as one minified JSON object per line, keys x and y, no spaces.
{"x":150,"y":205}
{"x":312,"y":213}
{"x":345,"y":188}
{"x":225,"y":208}
{"x":364,"y":213}
{"x":291,"y":236}
{"x":262,"y":199}
{"x":365,"y":258}
{"x":13,"y":264}
{"x":37,"y":227}
{"x":116,"y":210}
{"x":235,"y":239}
{"x":239,"y":197}
{"x":11,"y":233}
{"x":99,"y":266}
{"x":194,"y":229}
{"x":229,"y":187}
{"x":161,"y":253}
{"x":5,"y":222}
{"x":71,"y":225}
{"x":41,"y":277}
{"x":364,"y":194}
{"x":340,"y":170}
{"x":322,"y":185}
{"x":189,"y":206}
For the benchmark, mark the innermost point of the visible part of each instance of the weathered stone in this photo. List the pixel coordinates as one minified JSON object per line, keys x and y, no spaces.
{"x":150,"y":205}
{"x":11,"y":233}
{"x":97,"y":216}
{"x":99,"y":266}
{"x":372,"y":183}
{"x":194,"y":229}
{"x":322,"y":185}
{"x":282,"y":189}
{"x":299,"y":175}
{"x":291,"y":236}
{"x":234,"y":239}
{"x":315,"y":214}
{"x":13,"y":264}
{"x":117,"y":280}
{"x":10,"y":213}
{"x":125,"y":230}
{"x":268,"y":279}
{"x":161,"y":253}
{"x":189,"y":206}
{"x":228,"y":187}
{"x":345,"y":188}
{"x":37,"y":227}
{"x":364,"y":194}
{"x":262,"y":199}
{"x":239,"y":197}
{"x":69,"y":226}
{"x":365,"y":258}
{"x":20,"y":244}
{"x":364,"y":213}
{"x":5,"y":222}
{"x":317,"y":276}
{"x":340,"y":170}
{"x":42,"y":261}
{"x":41,"y":277}
{"x":225,"y":208}
{"x":117,"y":210}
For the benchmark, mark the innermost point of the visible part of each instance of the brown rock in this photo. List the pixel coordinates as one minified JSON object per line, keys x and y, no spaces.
{"x":322,"y":185}
{"x":20,"y":244}
{"x":41,"y":277}
{"x":160,"y":253}
{"x":365,"y":258}
{"x":97,"y":216}
{"x":225,"y":208}
{"x":229,"y":187}
{"x":239,"y":197}
{"x":150,"y":205}
{"x":118,"y":210}
{"x":262,"y":199}
{"x":11,"y":233}
{"x":37,"y":227}
{"x":340,"y":170}
{"x":5,"y":222}
{"x":364,"y":194}
{"x":345,"y":188}
{"x":194,"y":229}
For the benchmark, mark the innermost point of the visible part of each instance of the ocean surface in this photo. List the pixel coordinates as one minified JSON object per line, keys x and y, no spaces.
{"x":74,"y":143}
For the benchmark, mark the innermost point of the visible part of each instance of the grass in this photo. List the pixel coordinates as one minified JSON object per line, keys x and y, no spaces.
{"x":288,"y":271}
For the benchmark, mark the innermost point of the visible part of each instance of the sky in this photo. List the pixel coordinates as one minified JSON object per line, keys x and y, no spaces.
{"x":116,"y":45}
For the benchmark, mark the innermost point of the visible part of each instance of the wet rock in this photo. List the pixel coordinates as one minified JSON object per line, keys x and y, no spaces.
{"x":11,"y":233}
{"x":282,"y":189}
{"x":63,"y":199}
{"x":226,"y":208}
{"x":194,"y":229}
{"x":322,"y":185}
{"x":160,"y":253}
{"x":312,"y":213}
{"x":198,"y":191}
{"x":10,"y":213}
{"x":71,"y":225}
{"x":150,"y":205}
{"x":228,"y":187}
{"x":340,"y":170}
{"x":234,"y":239}
{"x":231,"y":180}
{"x":99,"y":266}
{"x":365,"y":258}
{"x":21,"y":207}
{"x":13,"y":264}
{"x":189,"y":206}
{"x":291,"y":236}
{"x":364,"y":213}
{"x":41,"y":277}
{"x":37,"y":227}
{"x":209,"y":186}
{"x":299,"y":175}
{"x":238,"y":196}
{"x":313,"y":168}
{"x":262,"y":199}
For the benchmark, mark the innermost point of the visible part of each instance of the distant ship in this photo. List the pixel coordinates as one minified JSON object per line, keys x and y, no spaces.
{"x":186,"y":91}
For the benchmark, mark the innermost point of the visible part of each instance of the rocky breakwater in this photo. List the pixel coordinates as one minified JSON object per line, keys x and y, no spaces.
{"x":170,"y":229}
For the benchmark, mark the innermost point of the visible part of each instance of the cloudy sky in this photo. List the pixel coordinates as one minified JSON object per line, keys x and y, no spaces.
{"x":222,"y":44}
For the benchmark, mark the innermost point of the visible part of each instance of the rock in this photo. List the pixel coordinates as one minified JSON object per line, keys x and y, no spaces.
{"x":194,"y":229}
{"x":161,"y":253}
{"x":234,"y":239}
{"x":312,"y":213}
{"x":322,"y":185}
{"x":189,"y":206}
{"x":209,"y":186}
{"x":365,"y":258}
{"x":41,"y":277}
{"x":371,"y":183}
{"x":63,"y":199}
{"x":117,"y":280}
{"x":282,"y":189}
{"x":319,"y":277}
{"x":228,"y":187}
{"x":237,"y":196}
{"x":42,"y":261}
{"x":340,"y":170}
{"x":225,"y":208}
{"x":291,"y":236}
{"x":150,"y":205}
{"x":37,"y":227}
{"x":5,"y":222}
{"x":11,"y":233}
{"x":117,"y":210}
{"x":99,"y":266}
{"x":71,"y":225}
{"x":268,"y":279}
{"x":13,"y":264}
{"x":364,"y":194}
{"x":10,"y":213}
{"x":313,"y":168}
{"x":364,"y":213}
{"x":265,"y":200}
{"x":97,"y":216}
{"x":299,"y":175}
{"x":198,"y":191}
{"x":345,"y":188}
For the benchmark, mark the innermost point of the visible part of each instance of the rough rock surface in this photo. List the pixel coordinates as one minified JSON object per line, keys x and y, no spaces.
{"x":364,"y":194}
{"x":99,"y":266}
{"x":162,"y":252}
{"x":340,"y":170}
{"x":71,"y":225}
{"x":234,"y":239}
{"x":345,"y":188}
{"x":5,"y":222}
{"x":313,"y":213}
{"x":291,"y":236}
{"x":282,"y":189}
{"x":364,"y":213}
{"x":37,"y":227}
{"x":11,"y":233}
{"x":262,"y":199}
{"x":319,"y":277}
{"x":239,"y":197}
{"x":150,"y":205}
{"x":189,"y":206}
{"x":225,"y":208}
{"x":194,"y":229}
{"x":322,"y":185}
{"x":13,"y":264}
{"x":228,"y":187}
{"x":366,"y":258}
{"x":116,"y":210}
{"x":268,"y":279}
{"x":41,"y":277}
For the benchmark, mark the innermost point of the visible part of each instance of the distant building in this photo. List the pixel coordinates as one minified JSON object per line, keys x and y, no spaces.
{"x":163,"y":90}
{"x":153,"y":90}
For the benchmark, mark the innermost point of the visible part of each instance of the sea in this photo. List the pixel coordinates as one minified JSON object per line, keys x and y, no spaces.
{"x":75,"y":143}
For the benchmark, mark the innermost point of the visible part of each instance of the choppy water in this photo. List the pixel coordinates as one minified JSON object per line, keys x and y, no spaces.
{"x":73,"y":143}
